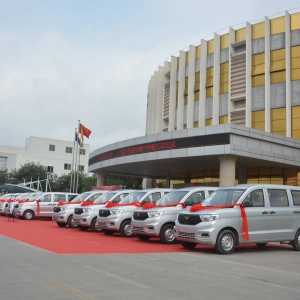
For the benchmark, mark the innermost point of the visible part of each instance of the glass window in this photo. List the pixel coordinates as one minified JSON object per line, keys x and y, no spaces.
{"x":81,"y":168}
{"x":296,"y":197}
{"x":51,"y":147}
{"x":172,"y":198}
{"x":223,"y":197}
{"x":152,"y":198}
{"x":67,"y":167}
{"x":50,"y":169}
{"x":69,"y":149}
{"x":133,"y":197}
{"x":71,"y":197}
{"x":278,"y":198}
{"x":105,"y":197}
{"x":45,"y":198}
{"x":81,"y":197}
{"x":3,"y":162}
{"x":195,"y":198}
{"x":82,"y":151}
{"x":59,"y":197}
{"x":255,"y":199}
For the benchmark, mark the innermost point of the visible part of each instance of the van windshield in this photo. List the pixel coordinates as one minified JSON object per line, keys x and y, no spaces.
{"x":223,"y":197}
{"x":80,"y":197}
{"x":104,"y":198}
{"x":133,"y":197}
{"x":171,"y":198}
{"x":35,"y":197}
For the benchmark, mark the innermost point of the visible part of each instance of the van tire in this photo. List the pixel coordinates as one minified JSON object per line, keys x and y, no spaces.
{"x":61,"y":224}
{"x":83,"y":228}
{"x":125,"y":229}
{"x":261,"y":244}
{"x":93,"y":226}
{"x":28,"y":214}
{"x":143,"y":237}
{"x":226,"y":242}
{"x":107,"y":232}
{"x":188,"y":245}
{"x":70,"y":222}
{"x":167,"y":234}
{"x":296,"y":242}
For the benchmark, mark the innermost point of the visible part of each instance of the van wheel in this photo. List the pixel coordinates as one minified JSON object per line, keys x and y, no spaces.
{"x":296,"y":242}
{"x":107,"y":232}
{"x":83,"y":228}
{"x":261,"y":244}
{"x":188,"y":245}
{"x":61,"y":224}
{"x":226,"y":242}
{"x":125,"y":229}
{"x":143,"y":237}
{"x":93,"y":226}
{"x":28,"y":215}
{"x":167,"y":234}
{"x":71,"y":223}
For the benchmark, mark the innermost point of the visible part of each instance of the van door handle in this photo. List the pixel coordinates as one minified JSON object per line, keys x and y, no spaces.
{"x":264,"y":212}
{"x":272,"y":212}
{"x":296,"y":211}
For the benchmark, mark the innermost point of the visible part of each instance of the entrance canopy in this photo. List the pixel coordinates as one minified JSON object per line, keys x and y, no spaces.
{"x":11,"y":188}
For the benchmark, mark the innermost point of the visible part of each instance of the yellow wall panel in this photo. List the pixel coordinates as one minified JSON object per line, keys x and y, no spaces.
{"x":196,"y":124}
{"x":277,"y":77}
{"x":224,"y":68}
{"x":295,"y":63}
{"x":258,"y":80}
{"x":296,"y":124}
{"x":283,"y":132}
{"x":186,"y":81}
{"x":223,"y":120}
{"x":185,"y":99}
{"x":278,"y":114}
{"x":185,"y":91}
{"x":258,"y":30}
{"x":277,"y":25}
{"x":295,"y":21}
{"x":196,"y":96}
{"x":277,"y":65}
{"x":278,"y":125}
{"x":224,"y":41}
{"x":210,"y":46}
{"x":296,"y":134}
{"x":240,"y":34}
{"x":258,"y":116}
{"x":224,"y":88}
{"x":295,"y":112}
{"x":187,"y":58}
{"x":259,"y":126}
{"x":258,"y":69}
{"x":208,"y":122}
{"x":258,"y":59}
{"x":209,"y":82}
{"x":295,"y":51}
{"x":209,"y":92}
{"x":210,"y":72}
{"x":197,"y":86}
{"x":197,"y":77}
{"x":198,"y":52}
{"x":295,"y":74}
{"x":224,"y":77}
{"x":277,"y":55}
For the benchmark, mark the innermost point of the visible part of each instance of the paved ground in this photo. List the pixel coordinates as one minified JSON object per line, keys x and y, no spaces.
{"x":31,"y":273}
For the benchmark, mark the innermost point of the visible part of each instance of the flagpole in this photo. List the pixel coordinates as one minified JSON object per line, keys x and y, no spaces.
{"x":72,"y":163}
{"x":77,"y":168}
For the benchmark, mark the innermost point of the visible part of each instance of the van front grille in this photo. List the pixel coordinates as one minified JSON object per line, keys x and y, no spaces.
{"x":104,"y":213}
{"x":189,"y":219}
{"x":186,"y":235}
{"x":78,"y":211}
{"x":137,"y":215}
{"x":56,"y":209}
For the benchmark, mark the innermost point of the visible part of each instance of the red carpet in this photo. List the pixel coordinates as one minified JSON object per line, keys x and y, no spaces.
{"x":45,"y":234}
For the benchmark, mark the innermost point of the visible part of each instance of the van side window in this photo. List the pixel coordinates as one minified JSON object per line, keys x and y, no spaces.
{"x":58,"y":198}
{"x":255,"y":199}
{"x":152,"y":198}
{"x":296,"y":197}
{"x":46,"y":198}
{"x":278,"y":198}
{"x":71,"y":197}
{"x":124,"y":196}
{"x":209,"y":192}
{"x":195,"y":198}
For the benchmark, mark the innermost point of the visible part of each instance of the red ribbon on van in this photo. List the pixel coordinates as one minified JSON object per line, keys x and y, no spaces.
{"x":199,"y":207}
{"x":151,"y":205}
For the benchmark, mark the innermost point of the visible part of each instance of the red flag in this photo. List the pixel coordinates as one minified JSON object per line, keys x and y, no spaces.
{"x":84,"y":131}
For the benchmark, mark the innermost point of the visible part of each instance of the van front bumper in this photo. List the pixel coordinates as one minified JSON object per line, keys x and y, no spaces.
{"x":112,"y":222}
{"x":150,"y":226}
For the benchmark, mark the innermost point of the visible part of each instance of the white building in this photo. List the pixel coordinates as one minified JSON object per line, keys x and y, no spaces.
{"x":56,"y":155}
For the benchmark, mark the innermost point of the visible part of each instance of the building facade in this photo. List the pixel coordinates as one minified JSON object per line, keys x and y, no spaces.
{"x":56,"y":155}
{"x":247,"y":79}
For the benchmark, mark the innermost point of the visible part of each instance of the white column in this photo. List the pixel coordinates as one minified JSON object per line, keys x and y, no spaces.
{"x":172,"y":105}
{"x":181,"y":86}
{"x":191,"y":95}
{"x":159,"y":99}
{"x":149,"y":106}
{"x":147,"y":183}
{"x":248,"y":75}
{"x":216,"y":92}
{"x":227,"y":170}
{"x":202,"y":100}
{"x":267,"y":77}
{"x":154,"y":102}
{"x":101,"y":178}
{"x":231,"y":52}
{"x":148,"y":111}
{"x":288,"y":75}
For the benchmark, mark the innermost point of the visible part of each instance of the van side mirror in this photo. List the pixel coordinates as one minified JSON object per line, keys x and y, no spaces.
{"x":247,"y":203}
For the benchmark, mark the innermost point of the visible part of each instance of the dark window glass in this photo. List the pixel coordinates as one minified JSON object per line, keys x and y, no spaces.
{"x":296,"y":197}
{"x":278,"y":198}
{"x":255,"y":199}
{"x":69,"y":149}
{"x":67,"y":167}
{"x":82,"y":151}
{"x":51,"y":147}
{"x":81,"y":168}
{"x":50,"y":169}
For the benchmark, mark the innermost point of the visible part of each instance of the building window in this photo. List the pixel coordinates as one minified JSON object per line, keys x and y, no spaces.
{"x":3,"y":162}
{"x":82,"y":151}
{"x":81,"y":168}
{"x":67,"y":166}
{"x":69,"y":149}
{"x":51,"y":147}
{"x":50,"y":169}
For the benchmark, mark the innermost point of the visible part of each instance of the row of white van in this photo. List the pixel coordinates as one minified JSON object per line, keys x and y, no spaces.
{"x":224,"y":217}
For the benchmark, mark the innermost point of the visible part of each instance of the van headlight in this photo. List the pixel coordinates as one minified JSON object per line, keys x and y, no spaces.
{"x":65,"y":208}
{"x":116,"y":211}
{"x":154,"y":214}
{"x":208,"y":218}
{"x":88,"y":209}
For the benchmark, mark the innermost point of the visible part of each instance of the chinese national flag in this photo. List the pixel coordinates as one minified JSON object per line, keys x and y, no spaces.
{"x":84,"y":131}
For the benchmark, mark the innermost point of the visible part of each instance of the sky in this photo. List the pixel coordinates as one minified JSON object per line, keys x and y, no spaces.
{"x":91,"y":60}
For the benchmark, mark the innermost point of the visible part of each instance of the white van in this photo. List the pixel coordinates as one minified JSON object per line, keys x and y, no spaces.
{"x":242,"y":214}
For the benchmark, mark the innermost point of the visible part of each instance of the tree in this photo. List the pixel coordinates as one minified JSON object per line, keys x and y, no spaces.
{"x":129,"y":181}
{"x":62,"y":183}
{"x":90,"y":181}
{"x":3,"y":176}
